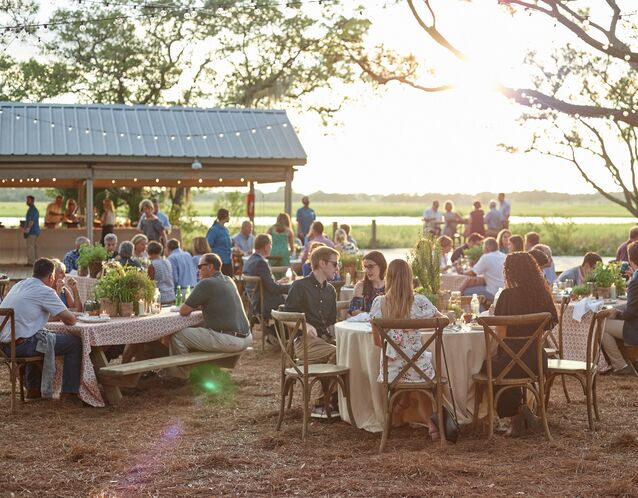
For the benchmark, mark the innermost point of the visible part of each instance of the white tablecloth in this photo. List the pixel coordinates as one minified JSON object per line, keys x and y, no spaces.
{"x":346,"y":293}
{"x":465,"y":352}
{"x":116,"y":331}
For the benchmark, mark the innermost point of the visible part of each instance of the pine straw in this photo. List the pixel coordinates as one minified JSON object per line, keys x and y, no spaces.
{"x":164,"y":439}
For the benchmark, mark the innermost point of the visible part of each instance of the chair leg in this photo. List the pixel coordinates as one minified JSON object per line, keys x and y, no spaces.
{"x":346,"y":393}
{"x":12,"y":375}
{"x":306,"y":410}
{"x":595,"y":398}
{"x":292,"y":386}
{"x":21,"y":381}
{"x":284,"y":386}
{"x":263,"y":335}
{"x":588,"y":394}
{"x":490,"y":410}
{"x":387,"y":419}
{"x":549,"y":382}
{"x":478,"y":397}
{"x":543,"y":413}
{"x":562,"y":378}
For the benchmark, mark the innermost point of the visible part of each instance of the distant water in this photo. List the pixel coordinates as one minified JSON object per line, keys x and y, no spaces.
{"x":398,"y":220}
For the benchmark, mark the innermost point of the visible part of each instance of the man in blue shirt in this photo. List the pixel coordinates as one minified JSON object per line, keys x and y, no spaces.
{"x":305,"y":217}
{"x":244,"y":240}
{"x":71,"y":257}
{"x":184,"y":273}
{"x":579,"y":273}
{"x":161,"y":216}
{"x":32,"y":230}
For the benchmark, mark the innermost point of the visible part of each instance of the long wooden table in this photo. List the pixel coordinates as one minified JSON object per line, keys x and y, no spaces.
{"x":97,"y":336}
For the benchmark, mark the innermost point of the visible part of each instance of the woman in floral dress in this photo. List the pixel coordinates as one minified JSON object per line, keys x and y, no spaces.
{"x":400,"y":302}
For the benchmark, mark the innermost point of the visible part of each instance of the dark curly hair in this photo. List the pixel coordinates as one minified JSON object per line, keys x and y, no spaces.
{"x":521,"y":271}
{"x":379,"y":259}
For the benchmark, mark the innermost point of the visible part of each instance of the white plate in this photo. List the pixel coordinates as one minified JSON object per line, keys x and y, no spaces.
{"x":93,"y":319}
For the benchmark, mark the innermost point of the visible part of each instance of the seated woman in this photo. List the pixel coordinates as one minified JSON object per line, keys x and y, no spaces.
{"x":446,"y":252}
{"x":161,"y":271}
{"x":526,"y":291}
{"x":342,"y":244}
{"x":125,"y":255}
{"x":67,"y":292}
{"x":549,"y":270}
{"x":503,"y":239}
{"x":400,"y":303}
{"x":373,"y":285}
{"x":140,"y":242}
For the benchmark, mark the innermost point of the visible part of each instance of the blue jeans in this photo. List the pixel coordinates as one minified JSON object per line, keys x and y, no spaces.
{"x":69,"y":346}
{"x":478,"y":290}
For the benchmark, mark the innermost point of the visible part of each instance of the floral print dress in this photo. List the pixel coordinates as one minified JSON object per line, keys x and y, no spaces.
{"x":408,"y":340}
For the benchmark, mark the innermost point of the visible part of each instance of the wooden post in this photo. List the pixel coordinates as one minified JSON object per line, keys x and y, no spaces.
{"x":373,"y":235}
{"x":288,"y":193}
{"x":89,"y":204}
{"x":335,"y":226}
{"x":251,"y":193}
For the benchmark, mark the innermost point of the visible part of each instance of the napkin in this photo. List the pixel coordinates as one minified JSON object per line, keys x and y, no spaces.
{"x":361,"y":317}
{"x":584,"y":305}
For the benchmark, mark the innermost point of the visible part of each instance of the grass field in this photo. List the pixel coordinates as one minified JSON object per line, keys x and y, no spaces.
{"x":205,"y":208}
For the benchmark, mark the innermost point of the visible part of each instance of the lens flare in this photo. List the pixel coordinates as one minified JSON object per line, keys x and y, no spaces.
{"x":212,"y":381}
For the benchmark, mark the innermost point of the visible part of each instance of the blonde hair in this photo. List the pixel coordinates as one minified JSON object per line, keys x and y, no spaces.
{"x":322,"y":254}
{"x":146,"y":203}
{"x":140,"y":237}
{"x":58,"y":266}
{"x":399,"y":293}
{"x":340,"y":236}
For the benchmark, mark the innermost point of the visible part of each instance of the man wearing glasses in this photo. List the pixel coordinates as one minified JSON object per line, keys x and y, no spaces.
{"x":315,"y":297}
{"x":225,"y":327}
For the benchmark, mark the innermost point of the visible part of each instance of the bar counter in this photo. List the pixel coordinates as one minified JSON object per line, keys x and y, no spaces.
{"x":55,"y":242}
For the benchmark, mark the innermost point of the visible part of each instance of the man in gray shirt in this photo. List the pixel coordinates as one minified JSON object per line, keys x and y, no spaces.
{"x":225,"y":328}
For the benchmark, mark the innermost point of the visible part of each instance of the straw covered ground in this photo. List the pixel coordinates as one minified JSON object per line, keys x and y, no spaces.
{"x":166,"y":439}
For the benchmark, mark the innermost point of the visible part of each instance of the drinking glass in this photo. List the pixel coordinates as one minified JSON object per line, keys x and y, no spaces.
{"x":590,"y":288}
{"x":569,"y":285}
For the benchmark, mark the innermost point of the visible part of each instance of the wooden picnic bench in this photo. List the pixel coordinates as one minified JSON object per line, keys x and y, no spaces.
{"x":128,"y":374}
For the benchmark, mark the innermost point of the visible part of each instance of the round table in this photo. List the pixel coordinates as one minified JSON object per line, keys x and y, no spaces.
{"x":465,"y":352}
{"x":454,"y":281}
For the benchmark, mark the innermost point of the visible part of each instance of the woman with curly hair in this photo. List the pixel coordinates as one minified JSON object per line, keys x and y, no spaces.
{"x":526,"y":292}
{"x":373,"y":284}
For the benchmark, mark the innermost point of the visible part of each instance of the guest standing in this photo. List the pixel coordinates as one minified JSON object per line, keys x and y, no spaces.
{"x":151,"y":225}
{"x":184,"y":274}
{"x":54,"y":213}
{"x":31,"y":230}
{"x":305,"y":217}
{"x":107,"y":218}
{"x":477,"y":220}
{"x":218,"y":238}
{"x":621,"y":254}
{"x":494,"y":220}
{"x":505,"y":209}
{"x":283,"y":240}
{"x":161,"y":270}
{"x":451,"y":219}
{"x":432,"y":220}
{"x":71,"y":219}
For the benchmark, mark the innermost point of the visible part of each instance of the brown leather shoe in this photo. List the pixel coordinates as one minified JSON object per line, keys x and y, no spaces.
{"x":33,"y":393}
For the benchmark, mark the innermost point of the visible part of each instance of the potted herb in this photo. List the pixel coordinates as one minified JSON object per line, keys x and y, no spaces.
{"x":122,"y":286}
{"x":425,"y":261}
{"x":473,"y":254}
{"x":91,"y":258}
{"x":603,"y":276}
{"x":350,"y":263}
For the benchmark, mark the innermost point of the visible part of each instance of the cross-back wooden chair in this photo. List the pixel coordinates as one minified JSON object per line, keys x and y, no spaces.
{"x":14,"y":363}
{"x":291,"y":326}
{"x":253,"y":292}
{"x":629,"y":353}
{"x":399,"y":385}
{"x":490,"y":382}
{"x":585,"y":372}
{"x":554,"y":341}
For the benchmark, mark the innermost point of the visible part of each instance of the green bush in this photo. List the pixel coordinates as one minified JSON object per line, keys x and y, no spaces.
{"x":89,"y":253}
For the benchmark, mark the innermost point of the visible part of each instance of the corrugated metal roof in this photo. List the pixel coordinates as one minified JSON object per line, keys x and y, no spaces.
{"x":146,"y":131}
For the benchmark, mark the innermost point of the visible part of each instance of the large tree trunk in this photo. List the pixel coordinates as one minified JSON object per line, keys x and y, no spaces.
{"x":181,"y":198}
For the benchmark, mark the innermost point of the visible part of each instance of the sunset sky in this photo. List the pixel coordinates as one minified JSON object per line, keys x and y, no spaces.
{"x":398,"y":139}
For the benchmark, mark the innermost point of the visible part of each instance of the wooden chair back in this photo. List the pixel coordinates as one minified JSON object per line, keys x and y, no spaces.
{"x":385,"y":326}
{"x":533,"y":340}
{"x":555,"y":341}
{"x":595,"y":336}
{"x":280,"y":269}
{"x":254,"y":292}
{"x":289,"y":326}
{"x":7,"y":317}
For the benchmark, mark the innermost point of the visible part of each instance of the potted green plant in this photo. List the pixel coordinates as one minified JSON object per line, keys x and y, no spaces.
{"x":119,"y":287}
{"x":425,"y":261}
{"x":603,"y":276}
{"x":90,"y":260}
{"x":473,"y":254}
{"x":350,"y":263}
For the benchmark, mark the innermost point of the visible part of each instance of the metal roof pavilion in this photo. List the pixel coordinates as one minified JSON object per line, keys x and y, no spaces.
{"x":100,"y":145}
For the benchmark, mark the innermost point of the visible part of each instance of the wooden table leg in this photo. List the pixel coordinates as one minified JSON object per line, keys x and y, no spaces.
{"x":112,"y":393}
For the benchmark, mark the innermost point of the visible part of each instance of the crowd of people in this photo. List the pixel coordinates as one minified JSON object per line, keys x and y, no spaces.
{"x":514,"y":273}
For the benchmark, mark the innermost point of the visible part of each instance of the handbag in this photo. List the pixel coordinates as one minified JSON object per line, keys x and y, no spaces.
{"x":450,"y":423}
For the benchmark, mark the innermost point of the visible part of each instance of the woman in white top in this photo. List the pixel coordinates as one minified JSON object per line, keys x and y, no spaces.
{"x":107,"y":219}
{"x":400,"y":302}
